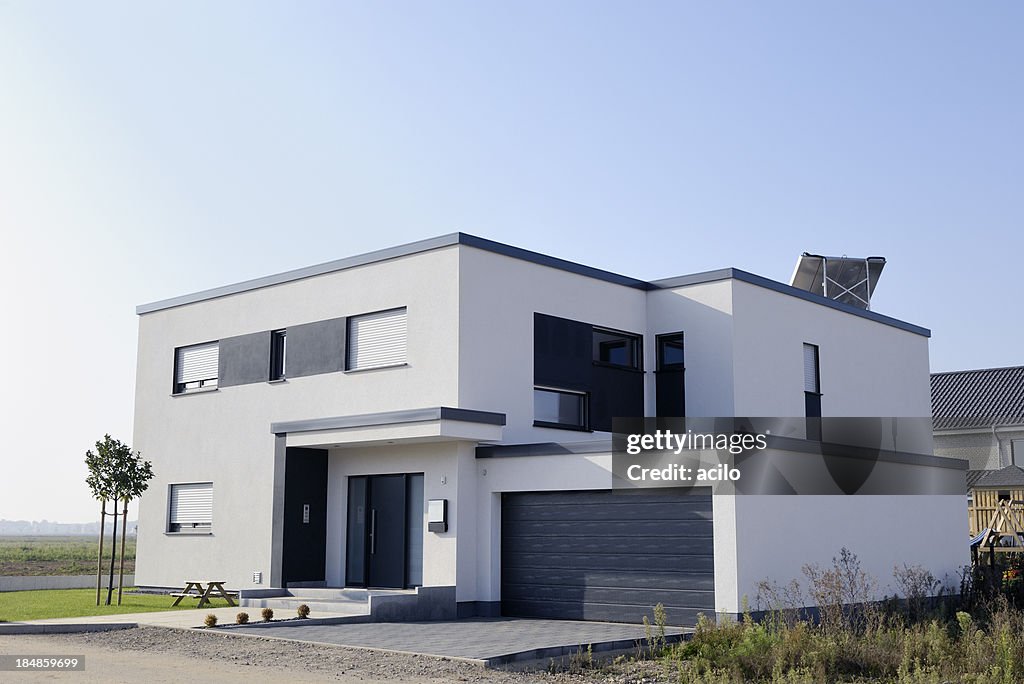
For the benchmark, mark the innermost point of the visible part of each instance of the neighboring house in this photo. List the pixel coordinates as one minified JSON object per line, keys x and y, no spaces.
{"x":978,"y":416}
{"x":307,"y":427}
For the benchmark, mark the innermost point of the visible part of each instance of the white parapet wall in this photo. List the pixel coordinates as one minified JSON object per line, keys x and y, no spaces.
{"x":32,"y":582}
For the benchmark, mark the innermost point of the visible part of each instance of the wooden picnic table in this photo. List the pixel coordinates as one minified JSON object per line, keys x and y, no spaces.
{"x":213,"y":589}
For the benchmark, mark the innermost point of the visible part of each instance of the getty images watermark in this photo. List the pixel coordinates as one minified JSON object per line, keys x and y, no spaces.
{"x":665,"y":441}
{"x":834,"y":456}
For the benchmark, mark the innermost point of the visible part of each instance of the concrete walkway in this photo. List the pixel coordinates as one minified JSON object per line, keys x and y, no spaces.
{"x":181,"y":619}
{"x":485,"y":641}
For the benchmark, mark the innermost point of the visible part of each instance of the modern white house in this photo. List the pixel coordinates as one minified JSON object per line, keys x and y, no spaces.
{"x":436,"y":419}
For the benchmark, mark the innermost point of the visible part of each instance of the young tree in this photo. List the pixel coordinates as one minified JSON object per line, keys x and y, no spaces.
{"x":119,"y":475}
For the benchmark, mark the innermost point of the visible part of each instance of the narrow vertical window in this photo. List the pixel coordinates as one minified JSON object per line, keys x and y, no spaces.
{"x":669,"y":377}
{"x":278,"y":354}
{"x":812,"y":391}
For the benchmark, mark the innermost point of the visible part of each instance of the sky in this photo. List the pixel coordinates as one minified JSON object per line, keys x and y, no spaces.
{"x":152,"y":149}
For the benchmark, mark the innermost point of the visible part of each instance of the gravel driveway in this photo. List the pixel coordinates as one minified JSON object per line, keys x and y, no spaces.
{"x":156,"y":655}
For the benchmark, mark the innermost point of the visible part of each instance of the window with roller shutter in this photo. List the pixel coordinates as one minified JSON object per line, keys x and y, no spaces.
{"x":190,"y":507}
{"x":195,"y":367}
{"x":376,"y":340}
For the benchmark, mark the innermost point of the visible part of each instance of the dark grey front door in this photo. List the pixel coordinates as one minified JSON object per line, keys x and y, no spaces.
{"x":378,"y":523}
{"x":387,"y":531}
{"x":609,"y":556}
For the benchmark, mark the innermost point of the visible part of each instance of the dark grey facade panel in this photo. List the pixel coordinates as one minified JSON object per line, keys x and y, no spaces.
{"x":305,"y":484}
{"x":614,"y":392}
{"x":563,"y":353}
{"x":315,"y":348}
{"x":602,"y":555}
{"x":244,"y":359}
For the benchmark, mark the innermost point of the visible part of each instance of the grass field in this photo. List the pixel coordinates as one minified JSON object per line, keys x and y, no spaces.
{"x":58,"y":555}
{"x":53,"y":603}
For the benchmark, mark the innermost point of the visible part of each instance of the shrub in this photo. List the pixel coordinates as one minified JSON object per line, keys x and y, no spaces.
{"x":242,"y":619}
{"x":267,"y":614}
{"x":916,"y":585}
{"x":211,"y":620}
{"x":303,"y":611}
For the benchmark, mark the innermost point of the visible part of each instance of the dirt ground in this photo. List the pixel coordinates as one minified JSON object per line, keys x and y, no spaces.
{"x":156,"y":656}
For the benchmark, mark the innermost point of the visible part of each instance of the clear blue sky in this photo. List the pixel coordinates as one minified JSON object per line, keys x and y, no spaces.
{"x":153,"y":149}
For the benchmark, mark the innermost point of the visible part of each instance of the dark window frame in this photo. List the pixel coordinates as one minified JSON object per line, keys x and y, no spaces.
{"x":637,"y":340}
{"x":812,"y":400}
{"x":659,"y":344}
{"x":278,"y":354}
{"x":584,"y":410}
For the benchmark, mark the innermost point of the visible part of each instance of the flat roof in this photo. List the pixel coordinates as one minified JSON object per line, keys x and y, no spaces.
{"x":451,"y":239}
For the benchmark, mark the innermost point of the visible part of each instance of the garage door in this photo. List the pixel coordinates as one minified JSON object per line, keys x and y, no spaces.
{"x":599,"y":555}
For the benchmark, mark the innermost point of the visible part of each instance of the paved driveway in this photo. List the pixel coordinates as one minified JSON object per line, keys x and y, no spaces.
{"x":488,"y":641}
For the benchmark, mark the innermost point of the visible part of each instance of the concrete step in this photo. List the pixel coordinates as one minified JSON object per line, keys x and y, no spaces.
{"x":285,"y":607}
{"x":323,"y":600}
{"x":342,"y":594}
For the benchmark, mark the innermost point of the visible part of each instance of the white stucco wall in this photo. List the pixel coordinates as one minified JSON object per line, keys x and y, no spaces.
{"x":224,"y":436}
{"x":498,"y":298}
{"x":866,"y":368}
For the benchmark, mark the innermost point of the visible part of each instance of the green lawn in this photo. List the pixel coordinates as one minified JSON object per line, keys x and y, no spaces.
{"x":54,"y":603}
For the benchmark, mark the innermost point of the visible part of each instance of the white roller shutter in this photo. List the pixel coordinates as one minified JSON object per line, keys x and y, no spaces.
{"x":191,"y":504}
{"x":811,"y":383}
{"x":376,"y":340}
{"x":195,"y":363}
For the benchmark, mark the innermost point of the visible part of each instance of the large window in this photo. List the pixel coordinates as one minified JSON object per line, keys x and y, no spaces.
{"x":559,"y":408}
{"x":617,"y":348}
{"x":278,"y":350}
{"x":376,"y":340}
{"x":190,"y":507}
{"x":1017,"y":452}
{"x":195,"y":367}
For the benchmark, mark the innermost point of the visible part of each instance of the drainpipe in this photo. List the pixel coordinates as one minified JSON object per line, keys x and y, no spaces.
{"x":999,"y":445}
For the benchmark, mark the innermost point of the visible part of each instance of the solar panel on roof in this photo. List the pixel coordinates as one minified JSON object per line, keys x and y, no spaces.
{"x":844,"y":279}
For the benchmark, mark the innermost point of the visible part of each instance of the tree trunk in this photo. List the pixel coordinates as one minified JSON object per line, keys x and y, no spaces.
{"x":113,"y":554}
{"x":124,"y":535}
{"x":99,"y":554}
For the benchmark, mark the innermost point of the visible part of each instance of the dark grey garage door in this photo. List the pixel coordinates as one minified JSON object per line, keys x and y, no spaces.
{"x":599,"y":555}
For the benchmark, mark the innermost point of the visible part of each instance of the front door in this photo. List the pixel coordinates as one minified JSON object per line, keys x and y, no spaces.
{"x":382,"y":521}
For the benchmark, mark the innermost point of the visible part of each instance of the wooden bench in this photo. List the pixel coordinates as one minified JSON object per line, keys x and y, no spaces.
{"x":213,"y":589}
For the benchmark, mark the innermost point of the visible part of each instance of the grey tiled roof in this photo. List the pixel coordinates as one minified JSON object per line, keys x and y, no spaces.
{"x":974,"y":475}
{"x":978,"y":398}
{"x":1010,"y":476}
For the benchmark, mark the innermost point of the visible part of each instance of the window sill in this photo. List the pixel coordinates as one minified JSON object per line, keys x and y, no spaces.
{"x":374,"y":368}
{"x":277,"y":381}
{"x":628,"y":369}
{"x":201,"y":390}
{"x":188,"y":534}
{"x":560,"y":426}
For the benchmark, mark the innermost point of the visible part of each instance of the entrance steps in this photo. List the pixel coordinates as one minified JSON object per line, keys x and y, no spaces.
{"x":322,"y":600}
